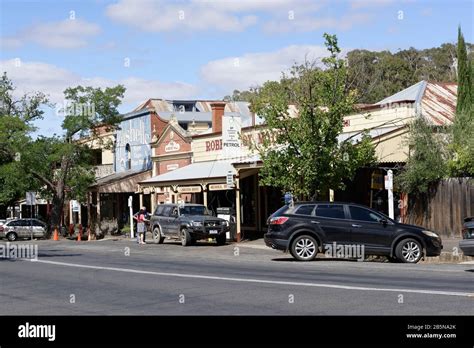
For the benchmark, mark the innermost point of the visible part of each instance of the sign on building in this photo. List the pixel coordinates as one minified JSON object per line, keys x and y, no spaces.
{"x":189,"y":189}
{"x":230,"y":180}
{"x":231,"y":140}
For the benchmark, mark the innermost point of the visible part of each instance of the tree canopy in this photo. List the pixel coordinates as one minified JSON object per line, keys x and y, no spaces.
{"x":302,"y":154}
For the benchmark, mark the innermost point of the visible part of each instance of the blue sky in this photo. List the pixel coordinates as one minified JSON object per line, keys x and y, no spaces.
{"x":200,"y":49}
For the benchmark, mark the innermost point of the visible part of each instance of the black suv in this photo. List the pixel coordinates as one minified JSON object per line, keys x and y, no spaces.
{"x":308,"y":227}
{"x":188,"y":223}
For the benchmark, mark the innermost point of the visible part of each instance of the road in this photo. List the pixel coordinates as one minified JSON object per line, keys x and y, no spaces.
{"x":116,"y":277}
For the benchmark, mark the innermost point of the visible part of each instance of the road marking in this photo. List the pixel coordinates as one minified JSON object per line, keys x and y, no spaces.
{"x":260,"y":281}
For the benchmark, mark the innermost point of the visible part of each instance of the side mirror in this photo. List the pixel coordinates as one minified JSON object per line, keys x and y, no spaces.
{"x":384,"y":222}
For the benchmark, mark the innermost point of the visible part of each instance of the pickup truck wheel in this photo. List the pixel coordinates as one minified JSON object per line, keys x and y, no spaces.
{"x":220,"y":239}
{"x":157,"y":237}
{"x":186,"y":238}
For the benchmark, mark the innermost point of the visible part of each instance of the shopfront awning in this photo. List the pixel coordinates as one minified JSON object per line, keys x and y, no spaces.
{"x":195,"y":171}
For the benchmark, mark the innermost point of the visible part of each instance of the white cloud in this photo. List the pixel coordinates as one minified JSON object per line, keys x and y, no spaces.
{"x":256,"y":68}
{"x":160,"y":16}
{"x":69,"y":33}
{"x":370,"y":3}
{"x":52,"y":80}
{"x":306,"y":23}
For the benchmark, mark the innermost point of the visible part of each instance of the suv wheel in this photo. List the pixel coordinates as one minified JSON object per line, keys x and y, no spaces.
{"x":186,"y":238}
{"x":409,"y":251}
{"x":12,"y":236}
{"x":220,"y":239}
{"x":157,"y":237}
{"x":304,"y":248}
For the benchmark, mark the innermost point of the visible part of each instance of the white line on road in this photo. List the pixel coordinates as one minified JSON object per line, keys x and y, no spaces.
{"x":260,"y":281}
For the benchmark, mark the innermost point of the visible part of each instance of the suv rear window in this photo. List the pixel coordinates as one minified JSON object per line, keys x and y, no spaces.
{"x":306,"y":209}
{"x":333,"y":211}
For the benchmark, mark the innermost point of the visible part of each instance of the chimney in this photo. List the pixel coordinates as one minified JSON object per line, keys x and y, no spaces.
{"x":217,"y":113}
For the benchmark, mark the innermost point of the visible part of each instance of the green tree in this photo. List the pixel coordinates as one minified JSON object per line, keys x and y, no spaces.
{"x":462,"y":131}
{"x":426,"y":163}
{"x":302,"y":153}
{"x":463,"y":76}
{"x":240,"y":95}
{"x":61,"y":165}
{"x":16,"y":124}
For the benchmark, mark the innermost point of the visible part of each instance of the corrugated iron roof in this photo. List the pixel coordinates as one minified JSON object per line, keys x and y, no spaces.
{"x":438,"y":102}
{"x":413,"y":93}
{"x":198,"y":170}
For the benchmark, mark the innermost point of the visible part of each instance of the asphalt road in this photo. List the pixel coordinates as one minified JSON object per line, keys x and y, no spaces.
{"x":121,"y":277}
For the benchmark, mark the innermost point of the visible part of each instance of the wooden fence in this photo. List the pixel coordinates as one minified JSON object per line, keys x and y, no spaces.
{"x":443,"y":209}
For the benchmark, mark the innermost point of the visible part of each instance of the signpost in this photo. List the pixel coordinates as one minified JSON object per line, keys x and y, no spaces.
{"x":389,"y":187}
{"x":130,"y":206}
{"x":31,"y":201}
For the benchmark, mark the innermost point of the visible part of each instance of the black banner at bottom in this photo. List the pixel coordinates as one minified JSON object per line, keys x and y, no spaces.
{"x":235,"y":330}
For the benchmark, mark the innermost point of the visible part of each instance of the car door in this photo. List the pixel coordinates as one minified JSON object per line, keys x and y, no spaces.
{"x":164,"y":219}
{"x":368,"y":228}
{"x":39,"y":229}
{"x":173,"y":221}
{"x":333,"y":223}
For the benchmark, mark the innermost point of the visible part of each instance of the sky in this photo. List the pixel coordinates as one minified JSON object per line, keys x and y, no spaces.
{"x":200,"y":49}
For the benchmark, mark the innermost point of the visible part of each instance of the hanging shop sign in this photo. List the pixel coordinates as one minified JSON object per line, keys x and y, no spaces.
{"x":218,"y":187}
{"x":189,"y":189}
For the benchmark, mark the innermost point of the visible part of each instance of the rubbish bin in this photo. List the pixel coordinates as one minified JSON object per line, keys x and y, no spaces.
{"x":228,"y":213}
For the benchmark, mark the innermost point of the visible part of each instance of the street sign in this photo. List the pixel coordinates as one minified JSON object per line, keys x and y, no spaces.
{"x":230,"y":180}
{"x":31,"y":198}
{"x":76,"y":207}
{"x":130,"y":201}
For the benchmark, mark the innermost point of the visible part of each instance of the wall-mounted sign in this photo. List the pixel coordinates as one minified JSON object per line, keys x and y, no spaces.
{"x":172,"y":146}
{"x":231,"y":127}
{"x":146,"y":191}
{"x":189,"y":189}
{"x":170,"y":167}
{"x":217,"y":187}
{"x":214,"y":145}
{"x":377,"y":181}
{"x":230,"y":180}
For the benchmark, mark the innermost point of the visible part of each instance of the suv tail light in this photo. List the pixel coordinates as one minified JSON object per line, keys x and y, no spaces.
{"x":1,"y":228}
{"x":279,"y":220}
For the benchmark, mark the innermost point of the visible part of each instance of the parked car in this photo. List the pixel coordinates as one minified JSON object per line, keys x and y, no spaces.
{"x":306,"y":228}
{"x":22,"y":228}
{"x":188,"y":223}
{"x":467,"y":244}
